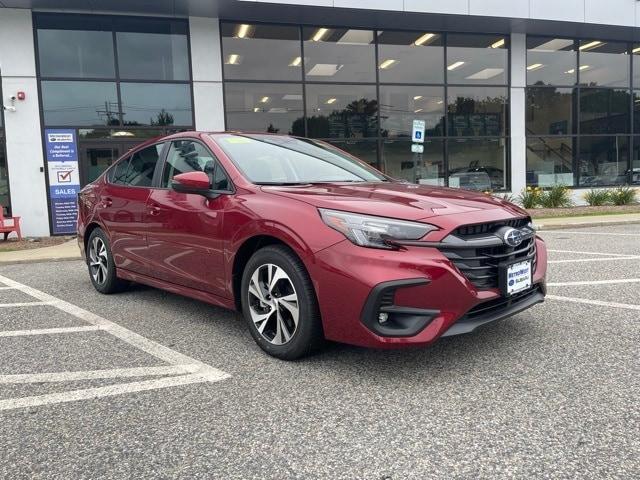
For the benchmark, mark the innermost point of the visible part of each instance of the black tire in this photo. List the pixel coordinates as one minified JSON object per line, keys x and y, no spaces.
{"x":106,"y":281}
{"x":307,"y":335}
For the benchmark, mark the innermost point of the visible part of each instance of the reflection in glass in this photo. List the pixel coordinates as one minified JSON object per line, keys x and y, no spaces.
{"x":634,"y":173}
{"x":477,"y":111}
{"x":341,"y":111}
{"x":418,"y":57}
{"x":477,"y":59}
{"x":98,"y":159}
{"x":79,"y":103}
{"x":477,"y":164}
{"x":153,"y":56}
{"x":604,"y":111}
{"x":156,"y":104}
{"x":399,"y":106}
{"x":366,"y":150}
{"x":339,"y":55}
{"x":426,"y":168}
{"x":263,"y":52}
{"x":4,"y":176}
{"x":604,"y":63}
{"x":551,"y":61}
{"x":603,"y":160}
{"x":274,"y":108}
{"x":549,"y":111}
{"x":76,"y":53}
{"x":124,"y":134}
{"x":550,"y":161}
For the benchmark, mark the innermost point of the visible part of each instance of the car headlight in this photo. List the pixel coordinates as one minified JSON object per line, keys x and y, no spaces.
{"x":370,"y":231}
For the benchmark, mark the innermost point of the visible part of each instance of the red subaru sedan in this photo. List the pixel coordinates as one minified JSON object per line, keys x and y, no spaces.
{"x":308,"y":242}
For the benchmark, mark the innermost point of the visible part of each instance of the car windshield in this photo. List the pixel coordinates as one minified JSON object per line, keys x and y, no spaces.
{"x":278,"y":160}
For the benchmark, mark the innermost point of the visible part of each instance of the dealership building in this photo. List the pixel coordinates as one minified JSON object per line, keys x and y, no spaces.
{"x":512,"y":93}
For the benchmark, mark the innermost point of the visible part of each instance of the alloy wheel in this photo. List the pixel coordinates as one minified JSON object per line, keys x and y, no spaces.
{"x":98,"y":260}
{"x":273,"y":304}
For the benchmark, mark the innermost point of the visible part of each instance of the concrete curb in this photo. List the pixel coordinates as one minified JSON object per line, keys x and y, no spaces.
{"x":567,"y":226}
{"x":39,"y":260}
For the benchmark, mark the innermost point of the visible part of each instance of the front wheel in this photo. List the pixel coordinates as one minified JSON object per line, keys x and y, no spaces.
{"x":279,"y":304}
{"x":102,"y":268}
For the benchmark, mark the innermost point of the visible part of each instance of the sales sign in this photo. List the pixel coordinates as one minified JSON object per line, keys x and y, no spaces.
{"x":64,"y":179}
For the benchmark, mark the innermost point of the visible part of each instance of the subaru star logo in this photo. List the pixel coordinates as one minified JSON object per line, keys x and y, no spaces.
{"x":512,"y":237}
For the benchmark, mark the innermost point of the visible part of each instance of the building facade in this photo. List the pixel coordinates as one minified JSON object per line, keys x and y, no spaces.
{"x":513,"y":93}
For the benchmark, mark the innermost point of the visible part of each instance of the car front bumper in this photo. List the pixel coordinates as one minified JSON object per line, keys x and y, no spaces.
{"x":422,"y":293}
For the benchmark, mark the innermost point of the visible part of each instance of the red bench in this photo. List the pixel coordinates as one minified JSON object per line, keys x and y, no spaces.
{"x":9,"y":224}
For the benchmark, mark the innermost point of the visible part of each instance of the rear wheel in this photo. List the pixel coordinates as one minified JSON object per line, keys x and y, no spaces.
{"x":102,"y":269}
{"x":279,"y":304}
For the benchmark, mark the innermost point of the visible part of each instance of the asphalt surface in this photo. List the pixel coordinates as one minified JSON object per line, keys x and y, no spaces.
{"x":550,"y":393}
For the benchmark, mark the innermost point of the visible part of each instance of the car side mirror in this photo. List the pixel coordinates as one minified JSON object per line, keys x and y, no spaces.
{"x":193,"y":182}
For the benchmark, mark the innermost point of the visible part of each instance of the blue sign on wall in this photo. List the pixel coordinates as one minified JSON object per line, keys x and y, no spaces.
{"x":64,"y":179}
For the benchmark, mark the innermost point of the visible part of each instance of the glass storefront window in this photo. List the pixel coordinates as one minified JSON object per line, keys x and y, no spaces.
{"x":341,"y":111}
{"x":339,"y":55}
{"x":477,"y":111}
{"x":265,"y":107}
{"x":477,"y":59}
{"x":477,"y":163}
{"x":411,"y":57}
{"x":156,"y":104}
{"x":79,"y":103}
{"x":152,"y":50}
{"x":634,"y":173}
{"x":603,"y":160}
{"x":549,"y":111}
{"x":604,"y":63}
{"x":76,"y":53}
{"x":604,"y":111}
{"x":551,"y":61}
{"x":400,"y":105}
{"x":261,"y":52}
{"x":366,"y":150}
{"x":550,"y":161}
{"x":427,"y":169}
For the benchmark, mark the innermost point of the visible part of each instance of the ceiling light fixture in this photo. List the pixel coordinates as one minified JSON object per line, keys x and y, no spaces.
{"x":233,"y":59}
{"x":417,"y":97}
{"x":417,"y":110}
{"x":498,"y":44}
{"x":424,"y":39}
{"x":535,"y":66}
{"x":590,"y":45}
{"x":264,"y":99}
{"x":635,"y":50}
{"x":331,"y":100}
{"x":387,"y":63}
{"x":243,"y":30}
{"x":319,"y":34}
{"x":455,"y":65}
{"x":296,"y":62}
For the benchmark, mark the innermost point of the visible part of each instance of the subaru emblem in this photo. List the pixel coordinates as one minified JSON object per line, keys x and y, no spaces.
{"x":512,"y":237}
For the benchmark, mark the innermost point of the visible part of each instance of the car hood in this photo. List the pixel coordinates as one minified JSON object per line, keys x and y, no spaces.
{"x":394,"y":199}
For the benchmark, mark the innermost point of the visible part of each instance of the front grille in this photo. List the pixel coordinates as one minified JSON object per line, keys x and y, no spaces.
{"x":477,"y":253}
{"x":493,"y":307}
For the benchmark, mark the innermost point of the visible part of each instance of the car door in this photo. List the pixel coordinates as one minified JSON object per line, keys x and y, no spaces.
{"x":184,"y":234}
{"x":122,"y":208}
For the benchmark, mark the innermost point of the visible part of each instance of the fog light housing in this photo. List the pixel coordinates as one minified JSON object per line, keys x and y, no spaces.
{"x":383,"y":317}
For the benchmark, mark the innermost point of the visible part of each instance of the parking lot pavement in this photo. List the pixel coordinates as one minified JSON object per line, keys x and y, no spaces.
{"x":148,"y":384}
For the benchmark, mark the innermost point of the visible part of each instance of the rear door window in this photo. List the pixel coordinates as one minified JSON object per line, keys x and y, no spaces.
{"x":142,"y":166}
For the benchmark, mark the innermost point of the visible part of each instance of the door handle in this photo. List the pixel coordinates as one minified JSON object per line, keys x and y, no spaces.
{"x":106,"y":202}
{"x":154,"y":210}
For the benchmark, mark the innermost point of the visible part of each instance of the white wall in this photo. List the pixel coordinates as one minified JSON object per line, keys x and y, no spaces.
{"x":207,"y":73}
{"x":23,"y":133}
{"x":517,"y":113}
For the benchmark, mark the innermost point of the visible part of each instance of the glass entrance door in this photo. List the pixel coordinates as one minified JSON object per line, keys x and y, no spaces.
{"x":95,"y":158}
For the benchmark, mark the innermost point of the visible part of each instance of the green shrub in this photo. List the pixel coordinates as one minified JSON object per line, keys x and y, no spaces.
{"x":556,"y":197}
{"x":597,"y":198}
{"x":530,"y":197}
{"x":623,"y":196}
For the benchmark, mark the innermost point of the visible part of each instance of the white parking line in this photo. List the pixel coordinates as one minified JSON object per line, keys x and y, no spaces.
{"x":50,"y":331}
{"x":98,"y":392}
{"x":600,"y":303}
{"x":591,"y":233}
{"x":24,"y":304}
{"x":98,"y":374}
{"x":585,"y":260}
{"x":593,"y":282}
{"x":198,"y":372}
{"x":591,"y":253}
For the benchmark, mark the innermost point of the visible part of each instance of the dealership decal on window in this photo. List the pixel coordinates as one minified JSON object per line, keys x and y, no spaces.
{"x":64,"y":178}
